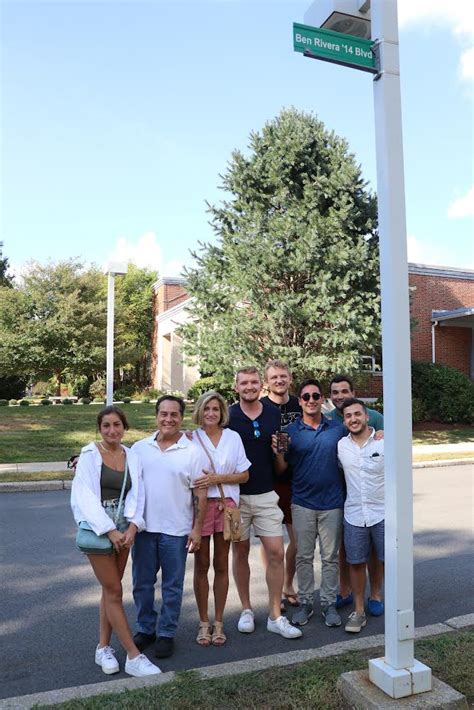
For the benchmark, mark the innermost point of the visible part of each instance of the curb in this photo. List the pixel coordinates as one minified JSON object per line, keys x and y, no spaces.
{"x":28,"y":486}
{"x":60,"y":485}
{"x":443,"y":462}
{"x":53,"y":697}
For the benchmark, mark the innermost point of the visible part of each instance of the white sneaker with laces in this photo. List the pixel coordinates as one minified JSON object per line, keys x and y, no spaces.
{"x":105,"y":658}
{"x":140,"y":666}
{"x":283,"y":627}
{"x":246,"y":622}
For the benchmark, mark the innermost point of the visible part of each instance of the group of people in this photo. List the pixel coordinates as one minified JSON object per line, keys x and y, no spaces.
{"x":324,"y":480}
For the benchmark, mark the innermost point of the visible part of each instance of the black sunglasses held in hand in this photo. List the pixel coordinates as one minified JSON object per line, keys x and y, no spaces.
{"x":310,"y":395}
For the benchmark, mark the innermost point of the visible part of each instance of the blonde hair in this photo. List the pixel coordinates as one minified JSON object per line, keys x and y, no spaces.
{"x":203,"y":401}
{"x":251,"y":370}
{"x":278,"y":365}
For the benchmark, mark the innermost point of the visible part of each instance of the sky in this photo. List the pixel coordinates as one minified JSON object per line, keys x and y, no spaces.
{"x":118,"y":117}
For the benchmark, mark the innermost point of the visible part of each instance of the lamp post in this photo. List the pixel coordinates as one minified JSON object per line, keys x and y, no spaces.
{"x":112,"y":269}
{"x":398,"y":673}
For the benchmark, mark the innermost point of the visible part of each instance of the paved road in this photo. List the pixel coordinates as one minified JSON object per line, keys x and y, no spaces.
{"x":48,"y":610}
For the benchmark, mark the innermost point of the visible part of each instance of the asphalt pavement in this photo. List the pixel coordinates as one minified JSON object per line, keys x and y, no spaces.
{"x":49,"y":601}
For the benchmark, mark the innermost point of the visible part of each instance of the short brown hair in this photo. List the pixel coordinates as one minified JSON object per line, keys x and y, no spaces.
{"x":279,"y":364}
{"x":353,"y":400}
{"x":251,"y":370}
{"x":203,"y":401}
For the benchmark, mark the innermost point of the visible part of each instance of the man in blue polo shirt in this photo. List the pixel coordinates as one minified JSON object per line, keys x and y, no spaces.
{"x":317,"y":501}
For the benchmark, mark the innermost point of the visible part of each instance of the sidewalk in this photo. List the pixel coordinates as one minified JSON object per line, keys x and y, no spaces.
{"x":54,"y":697}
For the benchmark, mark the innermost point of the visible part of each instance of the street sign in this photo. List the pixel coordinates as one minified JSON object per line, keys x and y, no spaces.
{"x":334,"y":47}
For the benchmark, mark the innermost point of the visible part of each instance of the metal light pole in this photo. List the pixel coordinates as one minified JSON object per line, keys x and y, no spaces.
{"x":398,"y":673}
{"x":112,"y":269}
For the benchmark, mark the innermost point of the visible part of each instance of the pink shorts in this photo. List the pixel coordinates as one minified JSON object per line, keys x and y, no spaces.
{"x":214,"y":520}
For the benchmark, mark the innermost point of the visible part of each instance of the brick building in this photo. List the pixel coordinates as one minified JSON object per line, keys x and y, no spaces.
{"x":442,"y":308}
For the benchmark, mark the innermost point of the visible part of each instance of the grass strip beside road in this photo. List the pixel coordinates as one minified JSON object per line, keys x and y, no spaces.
{"x":461,"y":435}
{"x":30,"y":434}
{"x":311,"y":684}
{"x":442,"y":456}
{"x":36,"y":476}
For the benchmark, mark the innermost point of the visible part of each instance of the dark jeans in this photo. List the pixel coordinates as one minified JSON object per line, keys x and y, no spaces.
{"x":150,"y":553}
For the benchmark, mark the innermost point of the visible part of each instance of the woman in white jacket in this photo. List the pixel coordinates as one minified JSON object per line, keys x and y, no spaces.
{"x":94,"y":496}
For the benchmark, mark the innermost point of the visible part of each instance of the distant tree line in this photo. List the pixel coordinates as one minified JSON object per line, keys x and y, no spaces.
{"x":53,"y":325}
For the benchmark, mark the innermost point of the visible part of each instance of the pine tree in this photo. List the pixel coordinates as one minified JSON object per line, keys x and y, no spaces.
{"x":294,"y":270}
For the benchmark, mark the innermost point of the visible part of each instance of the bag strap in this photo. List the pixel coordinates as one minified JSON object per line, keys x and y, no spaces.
{"x":219,"y":485}
{"x":125,"y":475}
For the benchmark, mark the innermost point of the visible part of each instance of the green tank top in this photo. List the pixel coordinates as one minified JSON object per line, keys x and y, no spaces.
{"x":111,"y":482}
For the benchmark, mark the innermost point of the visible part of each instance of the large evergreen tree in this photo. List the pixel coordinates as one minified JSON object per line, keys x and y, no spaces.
{"x":294,"y":270}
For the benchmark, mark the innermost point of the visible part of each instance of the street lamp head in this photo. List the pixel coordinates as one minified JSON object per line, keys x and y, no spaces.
{"x":116,"y":267}
{"x":350,"y":17}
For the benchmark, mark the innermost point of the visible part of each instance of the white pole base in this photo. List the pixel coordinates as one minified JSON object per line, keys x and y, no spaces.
{"x":400,"y":683}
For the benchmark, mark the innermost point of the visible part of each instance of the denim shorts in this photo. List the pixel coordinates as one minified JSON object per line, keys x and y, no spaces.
{"x":358,"y":541}
{"x":111,"y":508}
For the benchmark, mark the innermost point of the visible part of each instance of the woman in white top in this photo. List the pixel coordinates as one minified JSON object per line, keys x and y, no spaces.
{"x":231,"y":468}
{"x":95,"y":494}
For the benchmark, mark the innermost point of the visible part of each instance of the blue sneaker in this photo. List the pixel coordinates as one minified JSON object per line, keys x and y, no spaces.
{"x":375,"y":608}
{"x":343,"y":601}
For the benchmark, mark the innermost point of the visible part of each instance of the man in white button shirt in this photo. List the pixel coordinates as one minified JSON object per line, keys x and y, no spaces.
{"x":171,"y":465}
{"x":362,"y":459}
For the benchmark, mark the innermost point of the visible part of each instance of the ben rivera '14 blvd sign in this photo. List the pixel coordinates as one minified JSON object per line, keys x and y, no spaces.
{"x":334,"y":47}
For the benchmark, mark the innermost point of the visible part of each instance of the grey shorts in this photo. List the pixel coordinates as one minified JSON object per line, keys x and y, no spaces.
{"x":358,"y":541}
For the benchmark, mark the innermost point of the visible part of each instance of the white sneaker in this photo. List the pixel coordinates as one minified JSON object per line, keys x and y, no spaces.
{"x":246,"y":622}
{"x":283,"y":627}
{"x":105,"y":657}
{"x":140,"y":666}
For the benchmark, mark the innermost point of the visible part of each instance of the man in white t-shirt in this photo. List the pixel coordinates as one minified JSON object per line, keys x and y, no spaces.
{"x":171,"y":464}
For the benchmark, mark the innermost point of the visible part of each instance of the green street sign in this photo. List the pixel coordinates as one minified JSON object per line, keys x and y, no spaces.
{"x":334,"y":47}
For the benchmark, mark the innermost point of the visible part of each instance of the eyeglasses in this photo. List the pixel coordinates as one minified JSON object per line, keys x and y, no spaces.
{"x":310,"y":395}
{"x":256,"y":429}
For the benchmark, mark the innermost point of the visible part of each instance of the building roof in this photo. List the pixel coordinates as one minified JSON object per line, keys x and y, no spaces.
{"x":459,"y":317}
{"x":449,"y":272}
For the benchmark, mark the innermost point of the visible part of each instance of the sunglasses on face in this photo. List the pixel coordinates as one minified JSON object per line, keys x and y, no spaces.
{"x":310,"y":395}
{"x":256,"y":429}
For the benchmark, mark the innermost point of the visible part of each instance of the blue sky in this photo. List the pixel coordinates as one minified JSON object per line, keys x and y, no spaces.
{"x":117,"y":118}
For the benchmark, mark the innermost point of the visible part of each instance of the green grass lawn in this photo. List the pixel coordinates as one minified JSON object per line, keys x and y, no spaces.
{"x":306,"y":685}
{"x":55,"y":433}
{"x":462,"y":435}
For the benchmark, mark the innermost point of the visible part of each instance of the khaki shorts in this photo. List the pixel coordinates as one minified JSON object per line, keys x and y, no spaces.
{"x":263,"y":513}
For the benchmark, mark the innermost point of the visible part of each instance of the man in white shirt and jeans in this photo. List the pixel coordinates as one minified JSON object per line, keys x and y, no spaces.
{"x":362,"y":459}
{"x":171,"y":465}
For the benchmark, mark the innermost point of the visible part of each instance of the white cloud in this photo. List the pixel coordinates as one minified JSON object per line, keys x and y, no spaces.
{"x":462,"y":206}
{"x":466,"y":65}
{"x":420,"y":252}
{"x":145,"y":253}
{"x":456,"y":17}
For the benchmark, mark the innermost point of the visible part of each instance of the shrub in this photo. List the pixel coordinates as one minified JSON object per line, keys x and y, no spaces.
{"x":12,"y":387}
{"x":377,"y":405}
{"x":146,"y":400}
{"x":24,"y":403}
{"x":447,"y":394}
{"x":45,"y":402}
{"x":124,"y":391}
{"x":68,"y":401}
{"x":13,"y":402}
{"x":85,"y":400}
{"x":154,"y":393}
{"x":418,"y":410}
{"x":98,"y":400}
{"x":97,"y":389}
{"x":3,"y":402}
{"x":80,"y":387}
{"x":204,"y":384}
{"x":126,"y":400}
{"x":43,"y":389}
